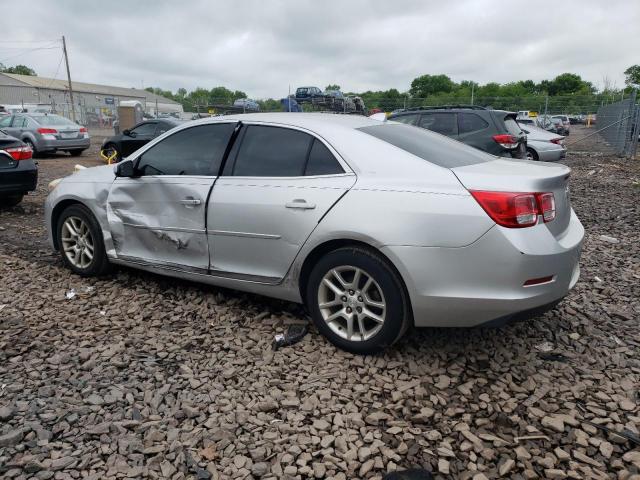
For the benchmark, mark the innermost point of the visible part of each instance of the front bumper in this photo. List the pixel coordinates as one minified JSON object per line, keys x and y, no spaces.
{"x":72,"y":144}
{"x":484,"y":281}
{"x":22,"y":179}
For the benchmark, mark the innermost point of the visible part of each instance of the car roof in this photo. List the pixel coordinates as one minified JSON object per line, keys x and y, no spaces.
{"x":317,"y":122}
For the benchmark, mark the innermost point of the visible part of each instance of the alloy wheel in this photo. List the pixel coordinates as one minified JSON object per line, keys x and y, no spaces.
{"x":77,"y":242}
{"x":352,"y":303}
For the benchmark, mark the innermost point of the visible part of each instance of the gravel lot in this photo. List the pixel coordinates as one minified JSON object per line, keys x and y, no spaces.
{"x":140,"y":376}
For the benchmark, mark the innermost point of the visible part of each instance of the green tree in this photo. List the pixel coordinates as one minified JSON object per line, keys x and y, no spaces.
{"x":632,"y":76}
{"x":332,"y":87}
{"x":18,"y":69}
{"x":426,"y":85}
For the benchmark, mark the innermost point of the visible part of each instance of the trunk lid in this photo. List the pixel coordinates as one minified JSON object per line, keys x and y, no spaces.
{"x":502,"y":175}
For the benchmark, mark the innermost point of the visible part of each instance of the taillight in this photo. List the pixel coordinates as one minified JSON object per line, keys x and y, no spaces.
{"x":547,"y":205}
{"x":47,"y":130}
{"x":20,"y":153}
{"x":83,"y":130}
{"x":557,"y":141}
{"x":506,"y":140}
{"x":516,"y":209}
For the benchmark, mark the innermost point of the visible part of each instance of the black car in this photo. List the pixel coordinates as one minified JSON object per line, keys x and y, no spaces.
{"x":494,"y":131}
{"x":127,"y":142}
{"x":307,"y":94}
{"x":18,"y":171}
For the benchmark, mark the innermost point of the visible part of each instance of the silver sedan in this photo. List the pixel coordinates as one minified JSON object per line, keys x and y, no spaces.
{"x":374,"y":226}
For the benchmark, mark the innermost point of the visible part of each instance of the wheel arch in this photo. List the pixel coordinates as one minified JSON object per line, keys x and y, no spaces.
{"x":330,"y":245}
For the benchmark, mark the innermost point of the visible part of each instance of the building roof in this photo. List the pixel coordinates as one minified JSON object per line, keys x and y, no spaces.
{"x":80,"y":87}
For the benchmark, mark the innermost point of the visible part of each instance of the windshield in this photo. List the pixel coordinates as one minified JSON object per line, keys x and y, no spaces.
{"x":512,"y":126}
{"x":429,"y":146}
{"x":53,"y":120}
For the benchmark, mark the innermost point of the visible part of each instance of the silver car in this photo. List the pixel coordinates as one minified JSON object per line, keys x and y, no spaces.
{"x":543,"y":145}
{"x":375,"y":226}
{"x":47,"y":133}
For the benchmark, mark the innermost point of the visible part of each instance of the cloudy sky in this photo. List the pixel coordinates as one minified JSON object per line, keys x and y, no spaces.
{"x":263,"y":46}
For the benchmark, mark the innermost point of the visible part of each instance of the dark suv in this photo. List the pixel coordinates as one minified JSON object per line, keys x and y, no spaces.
{"x":494,"y":131}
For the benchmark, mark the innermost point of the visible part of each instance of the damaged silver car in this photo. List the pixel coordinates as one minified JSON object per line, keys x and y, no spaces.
{"x":375,"y":226}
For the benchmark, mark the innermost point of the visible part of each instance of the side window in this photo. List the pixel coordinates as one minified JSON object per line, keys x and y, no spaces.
{"x":18,"y":122}
{"x":161,"y":128}
{"x":444,"y":123}
{"x":193,"y":151}
{"x":30,"y":123}
{"x":144,"y":129}
{"x":272,"y":152}
{"x":470,"y":122}
{"x":5,"y":121}
{"x":321,"y":161}
{"x":408,"y":119}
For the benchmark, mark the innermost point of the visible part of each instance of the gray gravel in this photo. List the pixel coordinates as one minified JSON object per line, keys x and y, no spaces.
{"x":142,"y":376}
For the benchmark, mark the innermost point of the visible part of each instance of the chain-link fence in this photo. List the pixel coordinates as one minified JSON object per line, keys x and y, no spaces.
{"x":619,"y":125}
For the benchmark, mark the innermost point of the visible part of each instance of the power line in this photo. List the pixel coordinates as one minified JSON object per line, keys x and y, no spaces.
{"x":31,"y":41}
{"x":57,"y":70}
{"x":28,"y":51}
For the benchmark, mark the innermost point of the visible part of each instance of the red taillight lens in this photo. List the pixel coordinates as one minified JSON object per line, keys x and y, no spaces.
{"x":547,"y":205}
{"x":83,"y":130}
{"x":506,"y":140}
{"x":557,"y":141}
{"x":47,"y":130}
{"x":516,"y":209}
{"x":20,"y":153}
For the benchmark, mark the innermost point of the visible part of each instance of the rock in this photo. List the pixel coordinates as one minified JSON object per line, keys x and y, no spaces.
{"x":95,"y":399}
{"x":443,"y":382}
{"x":319,"y":470}
{"x":321,"y":425}
{"x":554,"y":422}
{"x":608,"y":239}
{"x":62,"y":463}
{"x":443,"y":466}
{"x":553,"y":473}
{"x":364,"y":453}
{"x":506,"y":467}
{"x":6,"y":413}
{"x":632,"y":457}
{"x":260,"y":469}
{"x":606,"y":449}
{"x":12,"y":438}
{"x":581,"y":457}
{"x":522,"y":453}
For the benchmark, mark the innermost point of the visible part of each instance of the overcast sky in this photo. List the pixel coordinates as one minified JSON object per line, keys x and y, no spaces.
{"x":263,"y":46}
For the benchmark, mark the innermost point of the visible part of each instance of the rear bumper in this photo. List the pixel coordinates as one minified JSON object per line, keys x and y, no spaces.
{"x":22,"y":179}
{"x":477,"y":284}
{"x":546,"y":153}
{"x":73,"y":144}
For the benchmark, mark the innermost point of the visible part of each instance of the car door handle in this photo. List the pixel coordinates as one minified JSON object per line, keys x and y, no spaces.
{"x":190,"y":201}
{"x":300,"y":203}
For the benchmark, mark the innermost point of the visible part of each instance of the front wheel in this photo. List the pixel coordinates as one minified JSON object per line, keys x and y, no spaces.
{"x":357,"y":300}
{"x":80,"y":242}
{"x":532,"y":154}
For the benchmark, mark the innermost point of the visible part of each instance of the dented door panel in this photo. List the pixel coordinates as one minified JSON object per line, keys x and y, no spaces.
{"x":161,"y":220}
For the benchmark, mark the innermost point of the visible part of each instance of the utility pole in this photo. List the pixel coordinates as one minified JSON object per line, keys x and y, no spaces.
{"x":66,"y":61}
{"x":472,"y":87}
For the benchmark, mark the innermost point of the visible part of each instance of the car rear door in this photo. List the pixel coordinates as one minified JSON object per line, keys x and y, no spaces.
{"x":444,"y":123}
{"x":158,"y":216}
{"x":276,"y":186}
{"x":474,"y":131}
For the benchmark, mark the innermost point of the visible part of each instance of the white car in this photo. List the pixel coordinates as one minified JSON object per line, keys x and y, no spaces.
{"x":543,"y":145}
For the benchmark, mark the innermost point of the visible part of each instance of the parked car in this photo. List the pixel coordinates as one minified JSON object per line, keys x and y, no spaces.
{"x":566,"y":123}
{"x":528,"y":121}
{"x":493,"y":131}
{"x":47,"y":133}
{"x":18,"y":171}
{"x":543,"y":145}
{"x":127,"y":142}
{"x":307,"y":94}
{"x":375,"y":226}
{"x":334,"y":98}
{"x":247,"y":104}
{"x":556,"y":126}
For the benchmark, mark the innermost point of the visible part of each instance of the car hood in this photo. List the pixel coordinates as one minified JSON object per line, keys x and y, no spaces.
{"x":101,"y":174}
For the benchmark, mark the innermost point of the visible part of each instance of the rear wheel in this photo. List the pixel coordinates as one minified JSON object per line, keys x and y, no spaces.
{"x":357,"y":300}
{"x":30,"y":144}
{"x":532,"y":154}
{"x":11,"y":201}
{"x":80,"y":242}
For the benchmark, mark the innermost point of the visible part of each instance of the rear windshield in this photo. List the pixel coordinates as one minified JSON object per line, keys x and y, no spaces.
{"x":512,"y":126}
{"x":429,"y":146}
{"x":53,"y":120}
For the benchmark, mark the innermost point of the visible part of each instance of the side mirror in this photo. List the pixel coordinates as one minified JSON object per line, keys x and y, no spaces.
{"x":127,"y":133}
{"x":125,"y":169}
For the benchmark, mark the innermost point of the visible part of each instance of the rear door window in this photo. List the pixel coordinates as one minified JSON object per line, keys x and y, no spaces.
{"x":272,"y":152}
{"x":146,"y":129}
{"x":443,"y":123}
{"x":470,"y":122}
{"x":321,"y":161}
{"x":5,"y":121}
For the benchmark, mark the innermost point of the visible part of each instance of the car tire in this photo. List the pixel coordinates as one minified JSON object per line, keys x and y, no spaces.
{"x":80,"y":242}
{"x":33,"y":147}
{"x":75,"y":153}
{"x":532,"y":154}
{"x":375,"y":304}
{"x":11,"y":200}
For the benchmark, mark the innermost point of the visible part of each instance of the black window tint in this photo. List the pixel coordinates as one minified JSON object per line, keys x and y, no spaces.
{"x":194,"y":151}
{"x":444,"y":123}
{"x":444,"y":152}
{"x":145,"y":129}
{"x":162,"y":128}
{"x":409,"y":119}
{"x":512,"y":126}
{"x":470,"y":122}
{"x":321,"y":161}
{"x":272,"y":152}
